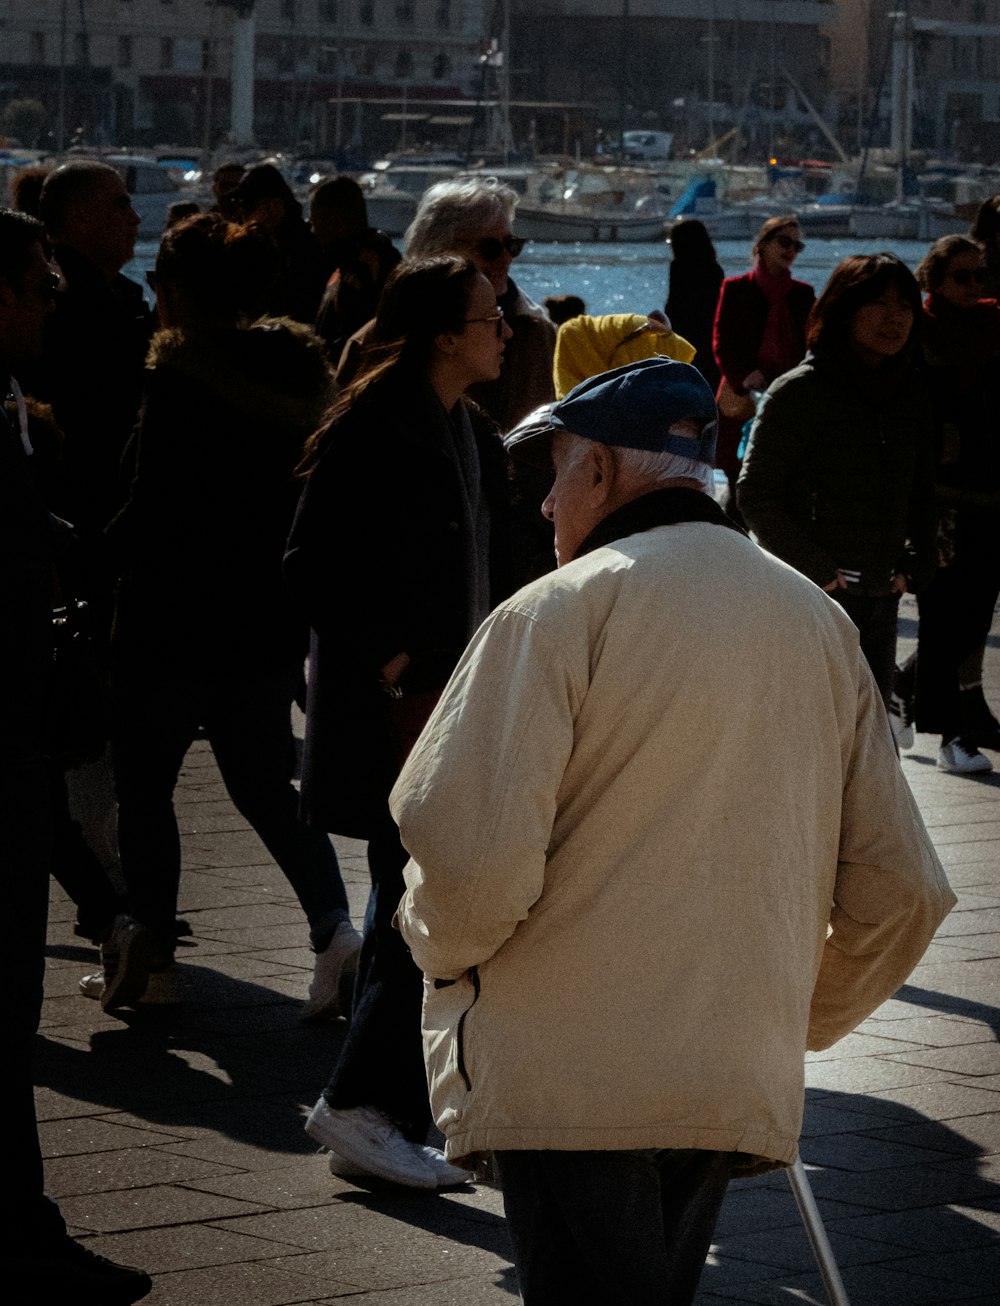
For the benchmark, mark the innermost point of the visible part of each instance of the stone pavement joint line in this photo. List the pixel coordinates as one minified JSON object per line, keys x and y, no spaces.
{"x":174,"y":1139}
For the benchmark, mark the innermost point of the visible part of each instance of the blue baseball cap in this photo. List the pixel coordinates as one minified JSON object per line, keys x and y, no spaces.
{"x":631,"y":407}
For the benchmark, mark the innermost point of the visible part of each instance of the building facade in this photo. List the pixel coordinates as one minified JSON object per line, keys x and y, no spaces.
{"x":140,"y":72}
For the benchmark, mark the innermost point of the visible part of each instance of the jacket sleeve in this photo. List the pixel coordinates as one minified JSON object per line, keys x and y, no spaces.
{"x":476,"y":800}
{"x":891,"y":893}
{"x":776,"y":453}
{"x":735,"y":334}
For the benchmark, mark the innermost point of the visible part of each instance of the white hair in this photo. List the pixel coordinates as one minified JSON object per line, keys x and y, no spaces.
{"x":646,"y":465}
{"x":453,"y":213}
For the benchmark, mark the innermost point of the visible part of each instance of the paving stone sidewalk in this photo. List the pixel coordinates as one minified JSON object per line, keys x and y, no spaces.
{"x":174,"y":1137}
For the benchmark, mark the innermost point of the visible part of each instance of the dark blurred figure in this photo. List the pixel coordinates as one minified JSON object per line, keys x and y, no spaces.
{"x":225,"y":183}
{"x":561,"y":308}
{"x":205,"y":634}
{"x":695,"y":280}
{"x":266,"y":198}
{"x":961,"y":348}
{"x":179,"y":210}
{"x":359,"y":259}
{"x":38,"y":1252}
{"x":27,"y":189}
{"x":95,"y":340}
{"x":986,"y":230}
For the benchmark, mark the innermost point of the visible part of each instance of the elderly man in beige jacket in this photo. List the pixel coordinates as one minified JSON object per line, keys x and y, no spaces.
{"x":661,"y":845}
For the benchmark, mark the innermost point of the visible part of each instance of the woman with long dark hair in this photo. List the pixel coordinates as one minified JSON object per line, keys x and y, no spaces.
{"x":204,"y":634}
{"x":837,"y":477}
{"x":759,"y":331}
{"x":694,"y":281}
{"x":960,"y":336}
{"x":396,"y":556}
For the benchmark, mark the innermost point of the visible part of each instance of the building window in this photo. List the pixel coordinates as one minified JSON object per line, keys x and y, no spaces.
{"x":404,"y":11}
{"x":404,"y":64}
{"x":166,"y":52}
{"x":369,"y":61}
{"x":288,"y":10}
{"x":441,"y":68}
{"x":208,"y":56}
{"x":327,"y":11}
{"x":124,"y":52}
{"x":366,"y":13}
{"x":81,"y":49}
{"x":442,"y":15}
{"x":37,"y":47}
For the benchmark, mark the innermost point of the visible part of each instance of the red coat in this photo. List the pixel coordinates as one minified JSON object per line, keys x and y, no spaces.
{"x":740,"y":318}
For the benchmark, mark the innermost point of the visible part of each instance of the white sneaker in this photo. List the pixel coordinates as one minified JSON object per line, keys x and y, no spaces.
{"x":448,"y":1175}
{"x":333,"y":976}
{"x":164,"y":987}
{"x":364,"y":1141}
{"x":962,"y":758}
{"x":901,"y":719}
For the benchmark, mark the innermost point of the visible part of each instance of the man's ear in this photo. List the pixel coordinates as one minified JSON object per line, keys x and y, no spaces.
{"x":602,"y":464}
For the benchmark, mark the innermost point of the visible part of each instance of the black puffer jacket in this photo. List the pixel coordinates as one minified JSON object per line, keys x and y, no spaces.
{"x":839,"y":472}
{"x":198,"y":546}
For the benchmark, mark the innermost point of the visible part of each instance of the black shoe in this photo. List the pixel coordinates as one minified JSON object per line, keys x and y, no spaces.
{"x":979,"y":725}
{"x":62,"y":1272}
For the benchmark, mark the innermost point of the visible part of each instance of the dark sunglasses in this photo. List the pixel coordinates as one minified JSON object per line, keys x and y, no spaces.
{"x":496,"y":318}
{"x":789,"y":242}
{"x":965,"y":276}
{"x":491,"y":247}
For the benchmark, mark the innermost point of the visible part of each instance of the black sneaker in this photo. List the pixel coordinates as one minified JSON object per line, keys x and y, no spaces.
{"x":62,"y":1272}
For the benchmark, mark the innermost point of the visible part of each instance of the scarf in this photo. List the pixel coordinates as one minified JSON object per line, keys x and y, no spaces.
{"x":781,"y":345}
{"x":666,"y":507}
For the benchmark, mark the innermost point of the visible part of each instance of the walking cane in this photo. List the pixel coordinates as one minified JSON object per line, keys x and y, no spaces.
{"x":816,"y":1233}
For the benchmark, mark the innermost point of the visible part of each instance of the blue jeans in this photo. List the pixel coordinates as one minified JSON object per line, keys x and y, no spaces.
{"x":247,"y":719}
{"x":598,"y":1227}
{"x":381,"y":1062}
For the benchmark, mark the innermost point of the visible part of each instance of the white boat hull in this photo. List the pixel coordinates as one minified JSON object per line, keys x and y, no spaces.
{"x":588,"y":227}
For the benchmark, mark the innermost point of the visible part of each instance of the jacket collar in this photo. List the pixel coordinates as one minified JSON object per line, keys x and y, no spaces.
{"x":664,"y":507}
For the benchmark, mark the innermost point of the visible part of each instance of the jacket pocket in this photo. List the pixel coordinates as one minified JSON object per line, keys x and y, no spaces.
{"x":447,"y":1004}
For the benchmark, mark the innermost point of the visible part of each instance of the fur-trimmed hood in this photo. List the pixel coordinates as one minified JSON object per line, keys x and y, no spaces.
{"x":273,"y":371}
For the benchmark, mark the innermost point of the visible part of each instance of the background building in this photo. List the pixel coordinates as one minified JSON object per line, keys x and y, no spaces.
{"x":150,"y":71}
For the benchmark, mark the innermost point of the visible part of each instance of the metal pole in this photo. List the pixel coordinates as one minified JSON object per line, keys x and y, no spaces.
{"x":61,"y":112}
{"x":816,"y":1233}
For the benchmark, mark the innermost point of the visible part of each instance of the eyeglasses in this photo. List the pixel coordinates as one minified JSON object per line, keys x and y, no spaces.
{"x":789,"y":242}
{"x":965,"y":276}
{"x":496,"y":318}
{"x":491,"y":247}
{"x":48,"y":284}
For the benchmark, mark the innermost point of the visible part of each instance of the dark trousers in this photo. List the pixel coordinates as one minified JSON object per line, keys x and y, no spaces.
{"x":381,"y":1063}
{"x":876,"y":619}
{"x":25,"y":836}
{"x":248,"y":723}
{"x":598,"y":1227}
{"x":956,"y":612}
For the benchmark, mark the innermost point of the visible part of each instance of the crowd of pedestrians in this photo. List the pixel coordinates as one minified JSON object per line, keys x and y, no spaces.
{"x":296,"y":461}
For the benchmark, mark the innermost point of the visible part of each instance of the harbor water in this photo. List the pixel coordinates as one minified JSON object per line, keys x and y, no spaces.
{"x":627,"y":278}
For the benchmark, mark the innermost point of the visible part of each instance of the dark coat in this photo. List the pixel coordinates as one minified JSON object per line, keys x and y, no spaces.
{"x":740,"y":319}
{"x":361,"y":265}
{"x":839,"y":472}
{"x":377,"y":560}
{"x":690,"y":306}
{"x":91,"y":372}
{"x":198,"y":546}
